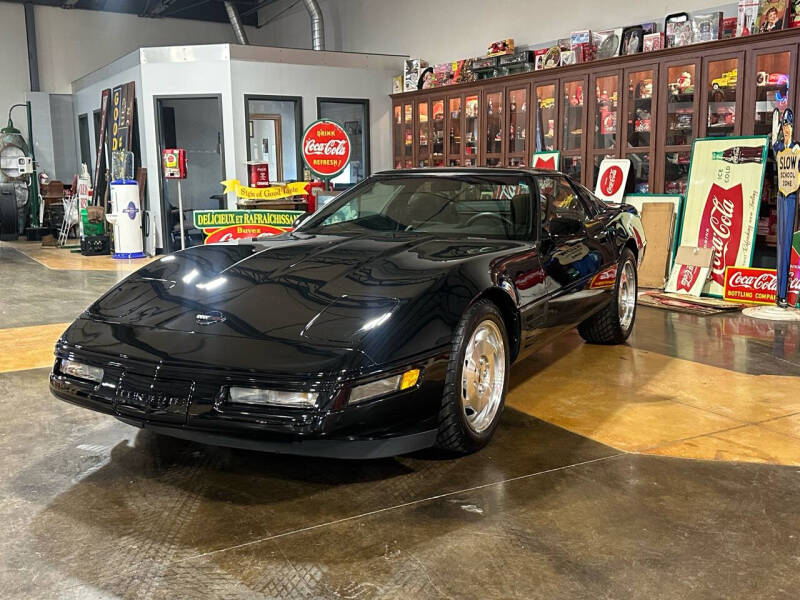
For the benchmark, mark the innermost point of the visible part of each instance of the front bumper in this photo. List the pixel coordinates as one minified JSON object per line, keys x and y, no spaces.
{"x":192,"y":405}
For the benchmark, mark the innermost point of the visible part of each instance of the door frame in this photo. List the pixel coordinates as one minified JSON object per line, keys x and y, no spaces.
{"x":365,"y":135}
{"x":278,"y":136}
{"x":298,"y":123}
{"x":167,"y":248}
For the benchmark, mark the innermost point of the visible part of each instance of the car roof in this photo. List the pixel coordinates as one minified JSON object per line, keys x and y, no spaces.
{"x":443,"y":171}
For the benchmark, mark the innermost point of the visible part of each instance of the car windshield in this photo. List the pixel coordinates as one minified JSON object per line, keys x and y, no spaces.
{"x":491,"y":206}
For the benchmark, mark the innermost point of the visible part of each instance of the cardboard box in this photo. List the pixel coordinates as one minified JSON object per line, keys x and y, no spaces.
{"x":412,"y":71}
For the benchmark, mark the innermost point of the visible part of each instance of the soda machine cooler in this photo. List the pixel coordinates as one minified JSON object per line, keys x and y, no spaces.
{"x":126,"y":217}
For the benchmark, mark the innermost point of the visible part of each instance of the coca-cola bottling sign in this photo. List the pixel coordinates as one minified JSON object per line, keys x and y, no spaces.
{"x":722,"y":204}
{"x":745,"y":284}
{"x":326,"y":148}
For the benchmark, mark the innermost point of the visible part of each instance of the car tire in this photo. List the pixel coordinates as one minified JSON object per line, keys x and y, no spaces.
{"x":614,"y":323}
{"x":477,"y":380}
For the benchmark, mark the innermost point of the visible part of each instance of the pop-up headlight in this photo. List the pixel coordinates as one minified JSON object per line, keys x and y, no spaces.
{"x":260,"y":397}
{"x":79,"y":370}
{"x":381,"y":387}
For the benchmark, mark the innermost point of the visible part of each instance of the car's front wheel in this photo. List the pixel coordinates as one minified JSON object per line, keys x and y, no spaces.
{"x":477,"y":380}
{"x":614,"y":323}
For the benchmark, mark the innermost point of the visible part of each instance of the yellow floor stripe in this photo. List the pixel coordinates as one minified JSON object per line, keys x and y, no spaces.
{"x":630,"y":399}
{"x":65,"y":260}
{"x":28,"y":347}
{"x":640,"y":401}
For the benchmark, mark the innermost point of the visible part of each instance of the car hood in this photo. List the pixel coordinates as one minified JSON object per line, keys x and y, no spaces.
{"x":296,"y":289}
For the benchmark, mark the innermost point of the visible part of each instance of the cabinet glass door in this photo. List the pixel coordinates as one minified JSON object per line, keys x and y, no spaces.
{"x":773,"y":72}
{"x":606,"y":110}
{"x":680,"y":88}
{"x":397,"y":136}
{"x":676,"y":172}
{"x":437,"y":133}
{"x":517,"y":126}
{"x":722,"y":83}
{"x":471,"y":130}
{"x":639,"y":110}
{"x":455,"y":126}
{"x":572,"y":95}
{"x":494,"y":128}
{"x":640,"y":171}
{"x":408,"y":134}
{"x":571,"y":165}
{"x":546,"y":117}
{"x":423,"y":135}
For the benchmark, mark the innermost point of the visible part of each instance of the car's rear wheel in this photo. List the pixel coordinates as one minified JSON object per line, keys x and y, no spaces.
{"x":614,"y":323}
{"x":476,"y":382}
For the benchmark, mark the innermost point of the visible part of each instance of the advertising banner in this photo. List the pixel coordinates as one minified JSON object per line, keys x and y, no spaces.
{"x":226,"y":225}
{"x":722,"y":202}
{"x":275,"y":192}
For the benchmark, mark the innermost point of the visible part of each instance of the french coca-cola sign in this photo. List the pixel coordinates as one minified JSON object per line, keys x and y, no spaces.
{"x":745,"y":284}
{"x":326,"y":148}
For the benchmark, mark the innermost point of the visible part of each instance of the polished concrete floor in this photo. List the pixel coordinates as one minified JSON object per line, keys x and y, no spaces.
{"x":665,"y":468}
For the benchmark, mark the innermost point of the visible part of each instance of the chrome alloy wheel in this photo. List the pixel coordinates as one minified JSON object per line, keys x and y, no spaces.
{"x":626,"y":295}
{"x":483,"y":375}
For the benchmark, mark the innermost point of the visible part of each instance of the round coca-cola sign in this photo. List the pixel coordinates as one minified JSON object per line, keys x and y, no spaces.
{"x":611,"y":181}
{"x":326,"y":148}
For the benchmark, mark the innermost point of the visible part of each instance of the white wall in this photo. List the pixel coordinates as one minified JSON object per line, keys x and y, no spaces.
{"x":14,"y":64}
{"x":310,"y":82}
{"x":440,"y":31}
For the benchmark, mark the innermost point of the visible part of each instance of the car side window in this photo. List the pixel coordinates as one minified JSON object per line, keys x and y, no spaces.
{"x":593,"y":204}
{"x":558,"y":199}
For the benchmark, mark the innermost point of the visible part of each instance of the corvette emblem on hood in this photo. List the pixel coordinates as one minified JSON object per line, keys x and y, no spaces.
{"x":210,"y":318}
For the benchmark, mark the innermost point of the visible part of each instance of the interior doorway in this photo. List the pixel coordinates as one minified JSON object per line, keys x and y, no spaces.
{"x":353,"y":115}
{"x":274,"y":129}
{"x":194,"y":124}
{"x":266,"y":143}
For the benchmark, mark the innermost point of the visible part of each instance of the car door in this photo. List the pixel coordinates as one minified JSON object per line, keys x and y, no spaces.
{"x":574,"y":252}
{"x":522,"y":272}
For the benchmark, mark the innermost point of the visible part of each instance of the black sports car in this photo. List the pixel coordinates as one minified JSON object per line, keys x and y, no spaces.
{"x":385,"y":323}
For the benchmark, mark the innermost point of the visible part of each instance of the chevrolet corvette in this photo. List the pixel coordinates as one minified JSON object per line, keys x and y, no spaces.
{"x":385,"y":323}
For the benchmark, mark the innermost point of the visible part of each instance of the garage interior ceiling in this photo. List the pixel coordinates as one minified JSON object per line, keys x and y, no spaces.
{"x":199,"y":10}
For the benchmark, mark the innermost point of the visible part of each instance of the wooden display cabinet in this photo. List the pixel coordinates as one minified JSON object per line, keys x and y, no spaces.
{"x":694,"y":93}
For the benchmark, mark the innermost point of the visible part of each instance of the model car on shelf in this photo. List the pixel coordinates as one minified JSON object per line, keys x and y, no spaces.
{"x":727,"y":79}
{"x":386,"y":322}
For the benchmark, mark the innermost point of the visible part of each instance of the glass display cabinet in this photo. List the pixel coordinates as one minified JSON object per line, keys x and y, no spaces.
{"x":639,"y":108}
{"x":437,"y":132}
{"x":423,"y":127}
{"x":472,"y":122}
{"x":721,"y":97}
{"x":573,"y":125}
{"x":604,"y":120}
{"x":681,"y":105}
{"x":517,"y":111}
{"x":494,"y":117}
{"x":455,"y":131}
{"x":408,"y":135}
{"x":545,"y":118}
{"x":648,"y":107}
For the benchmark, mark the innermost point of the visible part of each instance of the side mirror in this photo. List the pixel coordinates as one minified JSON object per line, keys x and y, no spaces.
{"x":299,"y":220}
{"x":562,"y":226}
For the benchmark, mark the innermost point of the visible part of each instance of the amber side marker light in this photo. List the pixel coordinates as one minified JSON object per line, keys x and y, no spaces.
{"x":381,"y":387}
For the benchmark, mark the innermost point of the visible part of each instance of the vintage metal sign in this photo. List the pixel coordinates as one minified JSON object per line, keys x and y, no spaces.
{"x":722,"y":203}
{"x":611,"y":179}
{"x":546,"y":160}
{"x":326,"y":148}
{"x":758,"y":286}
{"x":227,"y":225}
{"x":122,"y":98}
